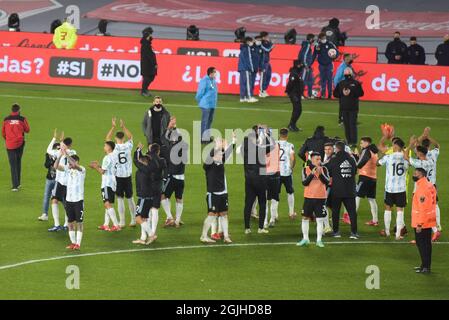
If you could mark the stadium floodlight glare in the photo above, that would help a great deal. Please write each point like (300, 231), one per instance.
(290, 36)
(240, 34)
(14, 22)
(102, 28)
(193, 33)
(55, 23)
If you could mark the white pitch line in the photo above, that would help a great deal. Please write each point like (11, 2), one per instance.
(34, 261)
(224, 108)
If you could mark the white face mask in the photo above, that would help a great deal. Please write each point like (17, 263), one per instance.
(258, 43)
(250, 44)
(323, 40)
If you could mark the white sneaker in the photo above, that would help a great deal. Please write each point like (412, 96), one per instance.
(207, 240)
(244, 100)
(262, 94)
(247, 231)
(122, 225)
(252, 100)
(43, 217)
(227, 240)
(263, 231)
(265, 226)
(265, 94)
(139, 241)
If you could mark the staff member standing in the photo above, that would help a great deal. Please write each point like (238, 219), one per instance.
(396, 51)
(442, 52)
(148, 62)
(13, 131)
(206, 96)
(424, 217)
(342, 170)
(349, 91)
(295, 89)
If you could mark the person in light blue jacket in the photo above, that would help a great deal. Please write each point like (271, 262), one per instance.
(206, 96)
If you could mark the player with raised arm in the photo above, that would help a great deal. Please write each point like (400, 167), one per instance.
(123, 150)
(217, 189)
(76, 174)
(395, 187)
(108, 185)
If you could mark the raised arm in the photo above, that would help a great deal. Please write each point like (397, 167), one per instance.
(128, 133)
(111, 131)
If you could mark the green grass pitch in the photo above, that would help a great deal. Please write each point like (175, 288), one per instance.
(177, 266)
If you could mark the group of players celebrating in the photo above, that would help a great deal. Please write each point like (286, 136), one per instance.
(160, 174)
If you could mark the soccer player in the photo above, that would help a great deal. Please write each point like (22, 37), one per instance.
(123, 175)
(178, 157)
(217, 189)
(315, 179)
(108, 185)
(60, 189)
(273, 184)
(287, 164)
(395, 187)
(366, 186)
(76, 174)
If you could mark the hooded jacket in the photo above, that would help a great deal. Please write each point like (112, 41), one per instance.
(147, 126)
(314, 143)
(148, 62)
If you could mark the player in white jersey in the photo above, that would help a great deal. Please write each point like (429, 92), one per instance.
(74, 205)
(123, 150)
(108, 185)
(59, 191)
(395, 187)
(287, 164)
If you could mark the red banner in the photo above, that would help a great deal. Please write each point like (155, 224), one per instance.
(381, 82)
(273, 18)
(166, 46)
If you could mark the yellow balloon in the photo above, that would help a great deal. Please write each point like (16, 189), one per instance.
(65, 36)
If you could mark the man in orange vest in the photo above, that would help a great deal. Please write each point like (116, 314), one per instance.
(315, 179)
(424, 217)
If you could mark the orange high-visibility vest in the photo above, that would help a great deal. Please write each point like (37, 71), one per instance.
(273, 165)
(424, 204)
(316, 188)
(370, 168)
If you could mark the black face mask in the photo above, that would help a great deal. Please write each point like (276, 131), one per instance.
(158, 106)
(415, 178)
(348, 76)
(350, 62)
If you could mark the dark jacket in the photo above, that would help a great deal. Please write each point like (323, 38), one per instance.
(333, 33)
(49, 162)
(342, 170)
(254, 156)
(416, 55)
(349, 102)
(315, 143)
(295, 84)
(149, 180)
(322, 53)
(148, 62)
(178, 155)
(147, 126)
(143, 186)
(442, 54)
(396, 47)
(305, 55)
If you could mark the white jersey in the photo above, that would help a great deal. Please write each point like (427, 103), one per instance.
(61, 176)
(75, 184)
(396, 173)
(433, 155)
(109, 167)
(123, 152)
(286, 149)
(427, 165)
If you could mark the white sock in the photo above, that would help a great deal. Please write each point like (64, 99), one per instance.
(224, 224)
(254, 209)
(79, 237)
(106, 218)
(143, 232)
(438, 216)
(154, 220)
(72, 236)
(66, 220)
(305, 229)
(179, 208)
(357, 204)
(166, 205)
(274, 210)
(319, 228)
(291, 203)
(373, 205)
(55, 213)
(113, 216)
(220, 226)
(326, 220)
(121, 210)
(387, 221)
(207, 224)
(399, 222)
(266, 213)
(214, 226)
(132, 210)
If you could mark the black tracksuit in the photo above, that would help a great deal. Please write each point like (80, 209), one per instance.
(416, 55)
(149, 177)
(315, 143)
(254, 159)
(349, 91)
(148, 64)
(442, 54)
(295, 89)
(396, 48)
(342, 169)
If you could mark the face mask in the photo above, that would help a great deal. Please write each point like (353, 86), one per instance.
(250, 44)
(158, 106)
(323, 40)
(258, 43)
(350, 62)
(415, 178)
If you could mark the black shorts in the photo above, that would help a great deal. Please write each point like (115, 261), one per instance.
(173, 185)
(143, 207)
(366, 187)
(273, 187)
(124, 187)
(396, 199)
(217, 203)
(288, 183)
(108, 195)
(59, 192)
(314, 207)
(75, 211)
